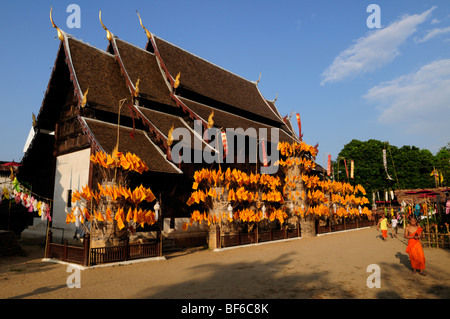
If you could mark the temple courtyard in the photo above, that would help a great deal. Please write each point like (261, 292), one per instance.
(338, 265)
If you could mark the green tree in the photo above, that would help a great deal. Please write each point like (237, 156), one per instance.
(442, 163)
(408, 166)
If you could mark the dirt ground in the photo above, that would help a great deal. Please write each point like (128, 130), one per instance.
(331, 266)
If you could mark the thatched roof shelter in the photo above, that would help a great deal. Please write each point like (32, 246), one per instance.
(419, 196)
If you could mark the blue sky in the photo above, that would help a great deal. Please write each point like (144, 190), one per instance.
(347, 81)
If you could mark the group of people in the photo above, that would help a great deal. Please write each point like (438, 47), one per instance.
(413, 232)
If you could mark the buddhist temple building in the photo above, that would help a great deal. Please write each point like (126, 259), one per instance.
(136, 96)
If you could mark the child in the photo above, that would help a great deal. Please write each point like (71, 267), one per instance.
(383, 224)
(394, 223)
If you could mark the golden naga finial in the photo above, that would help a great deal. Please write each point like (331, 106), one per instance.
(60, 33)
(149, 35)
(84, 100)
(170, 137)
(211, 120)
(136, 90)
(177, 80)
(276, 98)
(108, 34)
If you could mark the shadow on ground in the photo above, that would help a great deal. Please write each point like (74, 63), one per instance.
(257, 280)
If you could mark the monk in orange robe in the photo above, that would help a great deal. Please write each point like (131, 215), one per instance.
(413, 233)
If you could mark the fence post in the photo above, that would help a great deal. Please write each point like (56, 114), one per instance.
(127, 248)
(65, 250)
(86, 247)
(48, 244)
(160, 243)
(256, 234)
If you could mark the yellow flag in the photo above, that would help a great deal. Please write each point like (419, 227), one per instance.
(177, 80)
(442, 178)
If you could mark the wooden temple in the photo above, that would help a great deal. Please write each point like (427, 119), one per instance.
(136, 95)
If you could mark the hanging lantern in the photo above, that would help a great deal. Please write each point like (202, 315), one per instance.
(157, 207)
(230, 211)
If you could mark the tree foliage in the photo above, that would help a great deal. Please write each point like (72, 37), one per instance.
(408, 166)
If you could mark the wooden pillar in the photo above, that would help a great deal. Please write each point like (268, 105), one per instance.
(86, 249)
(214, 241)
(126, 248)
(218, 241)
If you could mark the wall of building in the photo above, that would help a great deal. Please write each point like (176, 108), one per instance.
(72, 172)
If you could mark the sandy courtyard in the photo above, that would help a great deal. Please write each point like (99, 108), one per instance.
(332, 266)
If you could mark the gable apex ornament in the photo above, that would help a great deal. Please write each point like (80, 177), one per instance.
(108, 34)
(149, 35)
(60, 33)
(259, 78)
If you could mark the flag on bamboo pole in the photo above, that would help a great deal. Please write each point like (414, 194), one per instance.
(385, 164)
(346, 169)
(264, 153)
(132, 117)
(352, 169)
(329, 165)
(224, 142)
(299, 126)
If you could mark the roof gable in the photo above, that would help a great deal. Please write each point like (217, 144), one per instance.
(99, 72)
(213, 82)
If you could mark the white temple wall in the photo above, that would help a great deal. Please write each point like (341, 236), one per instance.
(72, 172)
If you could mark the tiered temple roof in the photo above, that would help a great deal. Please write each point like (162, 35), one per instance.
(89, 87)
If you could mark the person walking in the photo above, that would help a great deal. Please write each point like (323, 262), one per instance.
(394, 223)
(413, 233)
(383, 225)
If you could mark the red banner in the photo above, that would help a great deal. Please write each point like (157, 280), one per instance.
(264, 153)
(299, 126)
(224, 142)
(346, 169)
(329, 165)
